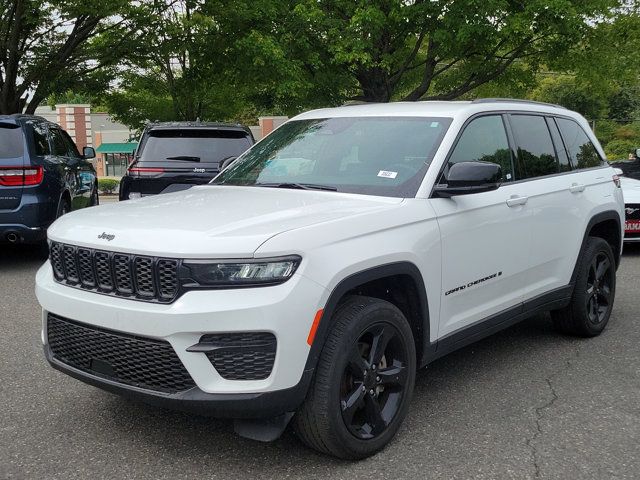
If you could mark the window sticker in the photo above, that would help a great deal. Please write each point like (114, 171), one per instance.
(387, 174)
(435, 124)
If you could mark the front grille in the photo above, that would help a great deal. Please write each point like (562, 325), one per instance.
(120, 274)
(141, 362)
(242, 355)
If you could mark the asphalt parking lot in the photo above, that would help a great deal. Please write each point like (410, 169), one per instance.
(525, 403)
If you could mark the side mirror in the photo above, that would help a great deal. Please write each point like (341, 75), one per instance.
(465, 178)
(88, 152)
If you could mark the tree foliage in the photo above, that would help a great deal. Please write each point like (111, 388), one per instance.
(52, 46)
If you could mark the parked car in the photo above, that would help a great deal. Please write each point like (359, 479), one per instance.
(630, 168)
(42, 177)
(631, 192)
(175, 156)
(333, 259)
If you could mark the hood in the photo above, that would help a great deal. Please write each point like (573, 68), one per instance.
(630, 190)
(206, 221)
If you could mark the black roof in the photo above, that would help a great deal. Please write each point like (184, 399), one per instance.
(515, 100)
(205, 125)
(23, 117)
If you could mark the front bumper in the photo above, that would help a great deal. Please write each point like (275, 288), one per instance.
(285, 310)
(223, 405)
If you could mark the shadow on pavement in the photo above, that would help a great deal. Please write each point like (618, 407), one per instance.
(17, 257)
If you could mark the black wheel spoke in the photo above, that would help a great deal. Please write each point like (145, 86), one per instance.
(394, 376)
(605, 293)
(374, 415)
(352, 403)
(602, 269)
(379, 345)
(357, 364)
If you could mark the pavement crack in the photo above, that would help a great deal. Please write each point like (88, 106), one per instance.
(539, 413)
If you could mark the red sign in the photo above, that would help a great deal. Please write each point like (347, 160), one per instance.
(632, 226)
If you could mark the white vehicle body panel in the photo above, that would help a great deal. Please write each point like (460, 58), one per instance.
(531, 248)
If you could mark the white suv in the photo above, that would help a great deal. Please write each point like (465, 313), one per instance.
(344, 251)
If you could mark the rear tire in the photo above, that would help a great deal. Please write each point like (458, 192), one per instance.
(363, 383)
(64, 207)
(95, 199)
(591, 304)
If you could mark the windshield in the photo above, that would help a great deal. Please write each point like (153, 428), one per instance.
(11, 141)
(385, 156)
(200, 145)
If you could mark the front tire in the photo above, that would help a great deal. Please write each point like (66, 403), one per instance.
(592, 302)
(363, 383)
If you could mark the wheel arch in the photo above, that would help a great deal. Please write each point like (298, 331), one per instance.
(399, 283)
(608, 226)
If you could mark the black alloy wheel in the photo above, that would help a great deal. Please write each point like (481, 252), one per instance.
(374, 381)
(591, 304)
(363, 382)
(599, 294)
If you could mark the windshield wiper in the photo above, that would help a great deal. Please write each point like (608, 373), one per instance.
(186, 158)
(300, 186)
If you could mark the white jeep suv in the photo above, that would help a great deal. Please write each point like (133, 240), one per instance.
(352, 246)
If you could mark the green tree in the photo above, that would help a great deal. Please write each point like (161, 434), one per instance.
(183, 72)
(48, 47)
(568, 91)
(441, 49)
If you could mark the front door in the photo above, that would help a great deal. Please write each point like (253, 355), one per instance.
(486, 237)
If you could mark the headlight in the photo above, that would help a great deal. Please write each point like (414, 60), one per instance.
(238, 273)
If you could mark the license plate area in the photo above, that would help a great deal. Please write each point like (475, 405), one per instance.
(632, 226)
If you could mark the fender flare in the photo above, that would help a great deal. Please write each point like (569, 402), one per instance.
(360, 278)
(598, 218)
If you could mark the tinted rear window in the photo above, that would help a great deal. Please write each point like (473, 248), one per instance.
(583, 153)
(211, 146)
(11, 141)
(536, 155)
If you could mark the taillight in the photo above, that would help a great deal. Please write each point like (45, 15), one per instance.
(21, 176)
(145, 171)
(616, 180)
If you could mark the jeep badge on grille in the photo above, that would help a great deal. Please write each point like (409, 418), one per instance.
(106, 236)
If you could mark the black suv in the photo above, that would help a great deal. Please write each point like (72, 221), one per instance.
(175, 156)
(42, 176)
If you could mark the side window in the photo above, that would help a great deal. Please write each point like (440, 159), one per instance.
(536, 155)
(582, 152)
(40, 141)
(60, 147)
(71, 146)
(483, 140)
(563, 160)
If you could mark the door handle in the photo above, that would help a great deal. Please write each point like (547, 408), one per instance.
(514, 201)
(577, 188)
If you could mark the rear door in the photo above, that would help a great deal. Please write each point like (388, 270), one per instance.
(556, 197)
(12, 163)
(185, 156)
(66, 166)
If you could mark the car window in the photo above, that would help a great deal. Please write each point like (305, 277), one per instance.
(59, 145)
(11, 140)
(582, 152)
(197, 145)
(385, 156)
(536, 155)
(563, 159)
(71, 146)
(483, 140)
(40, 141)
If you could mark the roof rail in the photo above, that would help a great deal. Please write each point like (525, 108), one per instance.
(515, 100)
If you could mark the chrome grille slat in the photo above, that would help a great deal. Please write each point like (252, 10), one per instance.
(117, 274)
